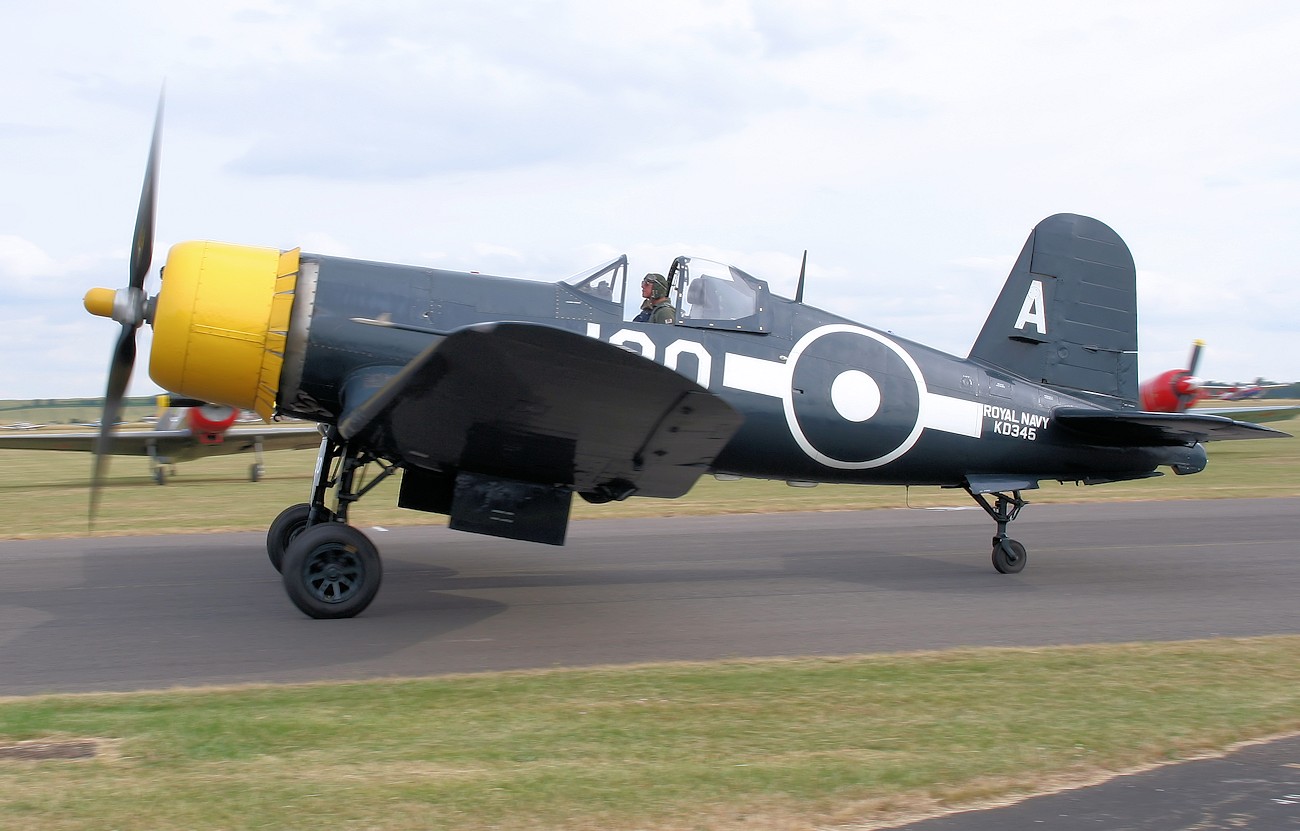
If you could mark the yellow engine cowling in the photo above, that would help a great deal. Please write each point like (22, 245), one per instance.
(221, 323)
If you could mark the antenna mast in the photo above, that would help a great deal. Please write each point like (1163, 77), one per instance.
(803, 270)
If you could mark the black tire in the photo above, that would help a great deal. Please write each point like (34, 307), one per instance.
(291, 522)
(331, 571)
(1009, 557)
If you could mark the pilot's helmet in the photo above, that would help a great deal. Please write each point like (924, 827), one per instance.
(659, 285)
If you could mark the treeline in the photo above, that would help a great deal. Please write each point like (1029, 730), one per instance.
(84, 411)
(1289, 391)
(62, 403)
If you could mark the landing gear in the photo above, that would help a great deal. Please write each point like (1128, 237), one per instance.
(615, 490)
(1009, 556)
(291, 522)
(332, 571)
(258, 468)
(157, 471)
(329, 568)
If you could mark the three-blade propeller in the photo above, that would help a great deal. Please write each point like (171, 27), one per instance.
(129, 309)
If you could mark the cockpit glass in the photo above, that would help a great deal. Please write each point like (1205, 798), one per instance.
(717, 292)
(604, 282)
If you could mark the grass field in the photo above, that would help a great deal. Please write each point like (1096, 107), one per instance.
(760, 745)
(45, 494)
(737, 745)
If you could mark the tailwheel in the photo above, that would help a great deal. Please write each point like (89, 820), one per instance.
(331, 570)
(1009, 556)
(286, 527)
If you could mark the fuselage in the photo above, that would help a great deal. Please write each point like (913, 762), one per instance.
(824, 399)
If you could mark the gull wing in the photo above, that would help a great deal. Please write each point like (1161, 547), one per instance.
(545, 405)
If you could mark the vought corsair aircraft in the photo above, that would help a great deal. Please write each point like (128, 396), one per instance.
(497, 399)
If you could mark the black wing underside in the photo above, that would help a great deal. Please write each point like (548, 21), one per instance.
(545, 405)
(1141, 429)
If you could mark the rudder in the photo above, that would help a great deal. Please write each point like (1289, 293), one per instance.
(1067, 314)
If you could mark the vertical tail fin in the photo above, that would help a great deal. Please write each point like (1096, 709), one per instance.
(1067, 315)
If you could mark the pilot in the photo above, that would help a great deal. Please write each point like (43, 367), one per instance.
(655, 307)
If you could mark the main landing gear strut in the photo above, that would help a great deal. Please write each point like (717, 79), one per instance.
(1009, 556)
(329, 568)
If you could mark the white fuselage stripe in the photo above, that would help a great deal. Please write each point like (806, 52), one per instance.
(952, 415)
(741, 372)
(771, 378)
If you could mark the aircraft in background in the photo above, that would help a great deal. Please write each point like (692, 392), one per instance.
(497, 399)
(1178, 390)
(1242, 392)
(193, 430)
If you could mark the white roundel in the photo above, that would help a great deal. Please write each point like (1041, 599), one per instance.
(855, 395)
(876, 416)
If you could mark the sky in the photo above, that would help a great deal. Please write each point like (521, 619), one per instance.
(909, 146)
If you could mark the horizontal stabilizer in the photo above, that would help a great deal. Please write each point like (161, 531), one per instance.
(1139, 429)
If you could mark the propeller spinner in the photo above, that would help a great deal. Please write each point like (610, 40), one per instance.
(130, 307)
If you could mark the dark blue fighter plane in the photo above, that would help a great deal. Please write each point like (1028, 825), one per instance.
(497, 399)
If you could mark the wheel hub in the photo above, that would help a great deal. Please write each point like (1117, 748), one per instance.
(333, 574)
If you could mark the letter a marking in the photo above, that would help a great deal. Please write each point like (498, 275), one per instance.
(1033, 310)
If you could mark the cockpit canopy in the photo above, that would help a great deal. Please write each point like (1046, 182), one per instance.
(604, 282)
(707, 294)
(719, 296)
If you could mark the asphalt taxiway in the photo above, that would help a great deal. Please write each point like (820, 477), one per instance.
(128, 613)
(1256, 787)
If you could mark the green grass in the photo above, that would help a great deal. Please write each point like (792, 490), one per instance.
(754, 745)
(758, 744)
(45, 494)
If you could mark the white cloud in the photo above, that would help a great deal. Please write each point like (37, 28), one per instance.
(22, 262)
(910, 147)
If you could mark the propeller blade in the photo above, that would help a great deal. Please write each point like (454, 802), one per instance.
(1186, 400)
(123, 361)
(142, 243)
(119, 376)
